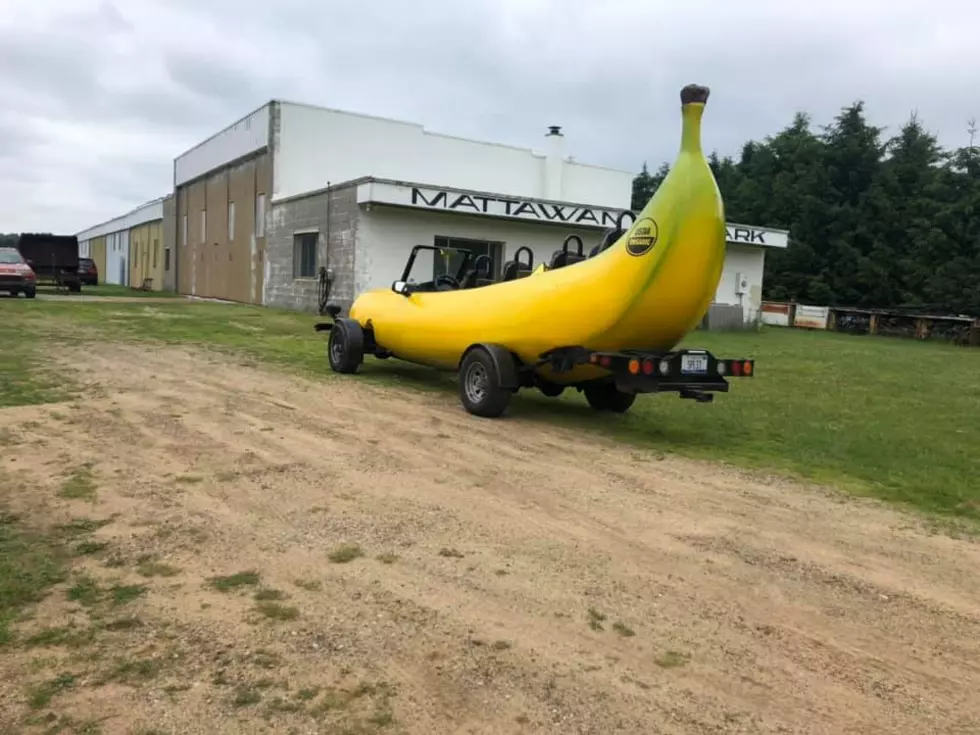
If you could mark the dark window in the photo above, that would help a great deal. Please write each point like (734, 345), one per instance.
(450, 262)
(304, 255)
(166, 259)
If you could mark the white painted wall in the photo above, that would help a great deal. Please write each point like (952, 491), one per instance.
(748, 262)
(318, 146)
(386, 236)
(248, 135)
(83, 249)
(117, 258)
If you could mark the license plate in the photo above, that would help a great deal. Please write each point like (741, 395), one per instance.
(694, 363)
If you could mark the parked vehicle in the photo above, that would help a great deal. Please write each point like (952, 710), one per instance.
(54, 258)
(606, 323)
(16, 276)
(88, 272)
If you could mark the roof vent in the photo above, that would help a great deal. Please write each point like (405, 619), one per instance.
(554, 130)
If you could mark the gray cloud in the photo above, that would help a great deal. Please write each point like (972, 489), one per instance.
(99, 97)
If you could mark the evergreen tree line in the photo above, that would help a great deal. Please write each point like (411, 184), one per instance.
(874, 221)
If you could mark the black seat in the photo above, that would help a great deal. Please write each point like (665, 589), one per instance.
(611, 236)
(480, 274)
(563, 257)
(514, 269)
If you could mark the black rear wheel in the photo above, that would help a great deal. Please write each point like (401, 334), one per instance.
(345, 348)
(606, 397)
(479, 385)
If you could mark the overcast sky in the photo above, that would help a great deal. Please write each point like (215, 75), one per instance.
(99, 97)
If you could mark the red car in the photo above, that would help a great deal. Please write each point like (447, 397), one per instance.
(88, 272)
(16, 276)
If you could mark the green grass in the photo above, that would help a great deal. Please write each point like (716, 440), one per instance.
(108, 289)
(30, 564)
(345, 553)
(79, 485)
(234, 581)
(883, 417)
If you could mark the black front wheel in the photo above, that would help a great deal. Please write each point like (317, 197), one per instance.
(479, 385)
(345, 348)
(606, 397)
(30, 293)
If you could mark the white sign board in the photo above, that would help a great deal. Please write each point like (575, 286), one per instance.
(533, 210)
(811, 317)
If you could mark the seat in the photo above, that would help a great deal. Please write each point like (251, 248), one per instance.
(514, 269)
(611, 236)
(608, 240)
(563, 257)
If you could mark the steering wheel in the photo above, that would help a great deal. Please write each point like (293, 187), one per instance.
(446, 282)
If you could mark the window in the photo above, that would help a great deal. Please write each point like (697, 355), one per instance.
(304, 254)
(260, 215)
(450, 264)
(204, 225)
(231, 221)
(183, 234)
(166, 259)
(136, 252)
(156, 252)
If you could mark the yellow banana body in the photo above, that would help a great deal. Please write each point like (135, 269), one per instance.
(646, 291)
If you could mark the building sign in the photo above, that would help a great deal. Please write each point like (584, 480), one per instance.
(744, 235)
(532, 210)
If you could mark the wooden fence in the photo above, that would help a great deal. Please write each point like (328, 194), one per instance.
(963, 330)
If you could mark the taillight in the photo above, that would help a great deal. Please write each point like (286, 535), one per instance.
(605, 361)
(747, 368)
(648, 366)
(736, 367)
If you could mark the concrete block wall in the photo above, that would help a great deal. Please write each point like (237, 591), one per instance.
(333, 214)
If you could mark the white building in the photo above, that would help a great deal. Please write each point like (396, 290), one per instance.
(263, 205)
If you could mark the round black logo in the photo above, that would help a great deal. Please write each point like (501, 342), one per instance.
(644, 237)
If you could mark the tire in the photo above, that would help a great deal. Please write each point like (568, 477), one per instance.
(345, 348)
(479, 386)
(606, 397)
(30, 293)
(75, 287)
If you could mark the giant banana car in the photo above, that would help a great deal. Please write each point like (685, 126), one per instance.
(605, 323)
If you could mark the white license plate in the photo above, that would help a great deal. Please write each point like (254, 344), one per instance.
(694, 363)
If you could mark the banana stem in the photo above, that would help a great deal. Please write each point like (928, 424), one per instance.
(691, 127)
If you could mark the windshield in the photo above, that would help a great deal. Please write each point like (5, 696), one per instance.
(10, 256)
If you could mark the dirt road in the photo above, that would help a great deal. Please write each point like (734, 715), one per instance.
(498, 576)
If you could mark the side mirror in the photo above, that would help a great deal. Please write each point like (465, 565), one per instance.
(400, 287)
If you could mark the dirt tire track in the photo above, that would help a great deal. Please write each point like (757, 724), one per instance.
(756, 605)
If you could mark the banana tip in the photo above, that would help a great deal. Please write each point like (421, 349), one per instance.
(694, 93)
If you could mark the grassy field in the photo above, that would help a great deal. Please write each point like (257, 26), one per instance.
(893, 419)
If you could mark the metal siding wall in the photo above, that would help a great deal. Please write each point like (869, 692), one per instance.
(196, 201)
(218, 268)
(168, 239)
(97, 250)
(136, 238)
(263, 185)
(241, 190)
(154, 251)
(216, 253)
